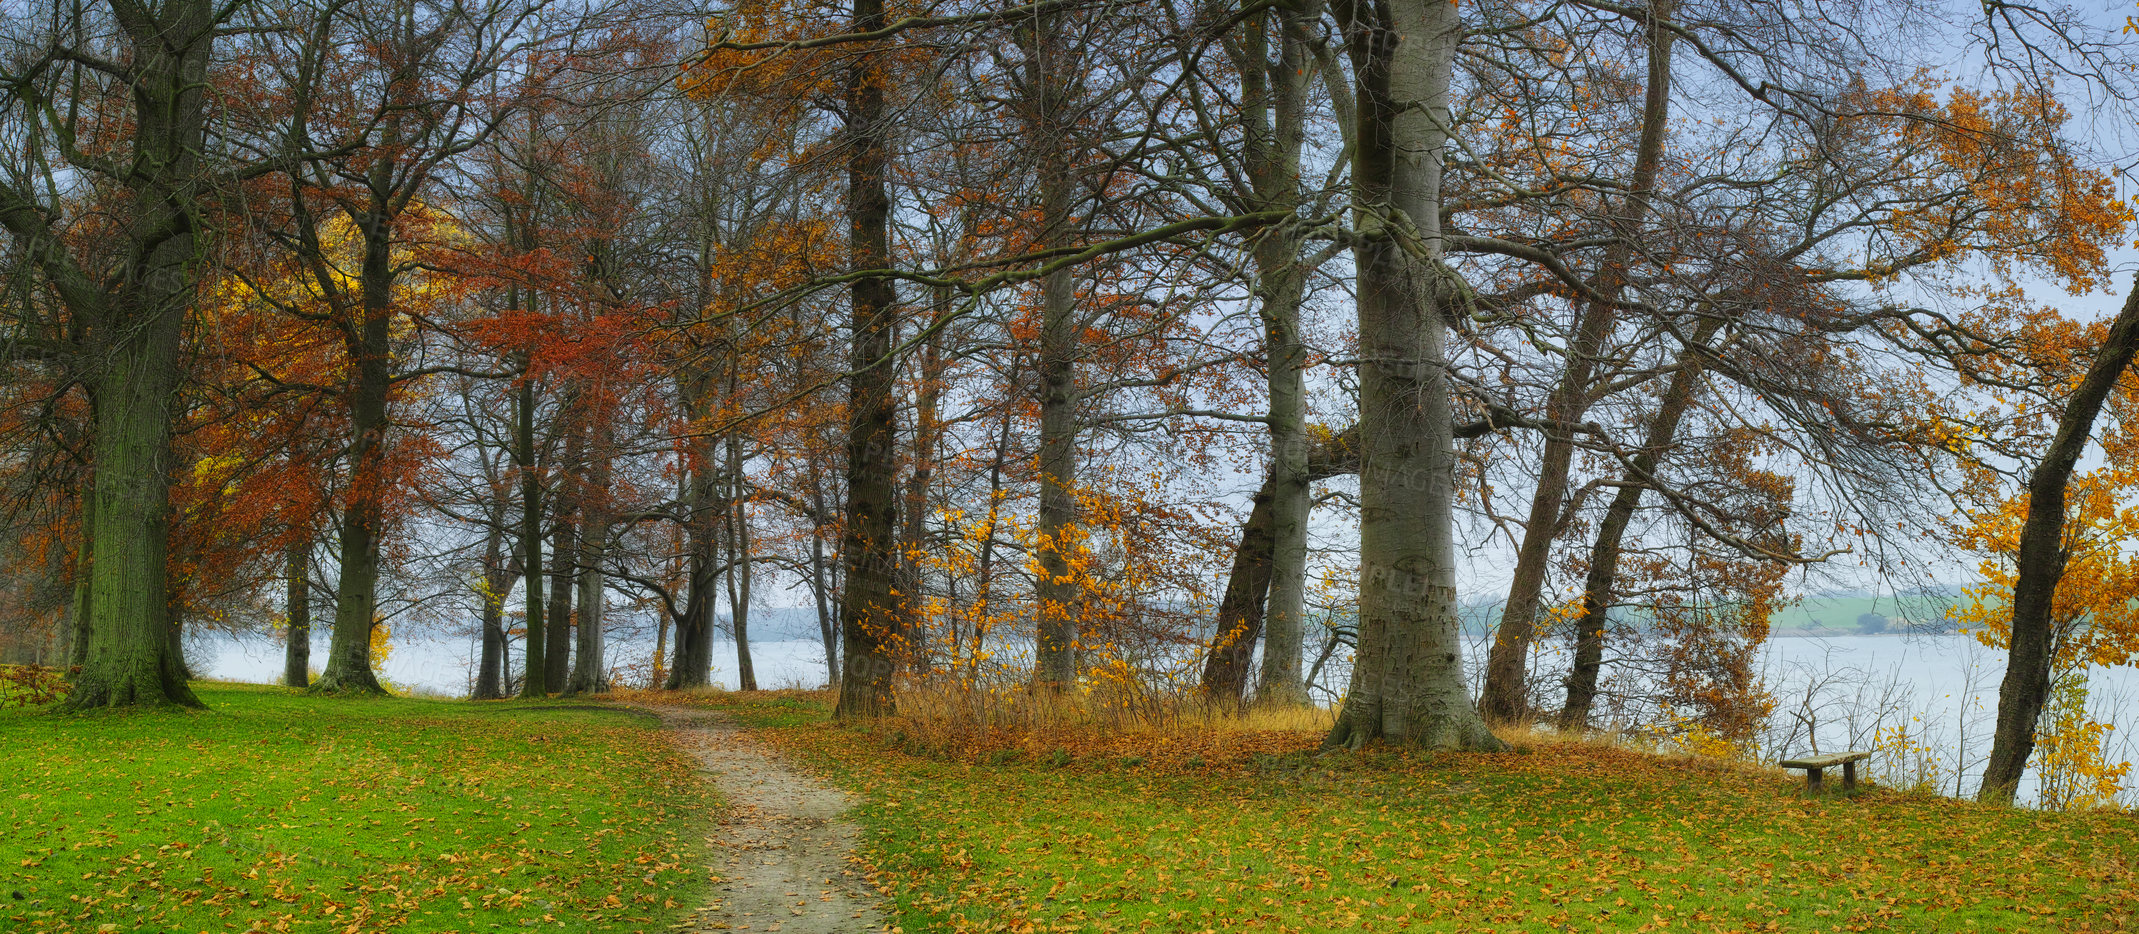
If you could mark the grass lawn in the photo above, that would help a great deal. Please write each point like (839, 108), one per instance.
(1561, 838)
(275, 811)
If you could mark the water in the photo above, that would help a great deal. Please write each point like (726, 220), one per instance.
(446, 666)
(1849, 692)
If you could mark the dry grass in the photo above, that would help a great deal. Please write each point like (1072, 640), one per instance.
(998, 725)
(1004, 724)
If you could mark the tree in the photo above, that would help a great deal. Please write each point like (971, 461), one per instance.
(1505, 696)
(1407, 676)
(870, 611)
(131, 302)
(2041, 556)
(359, 167)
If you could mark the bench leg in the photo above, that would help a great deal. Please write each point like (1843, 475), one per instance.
(1849, 776)
(1812, 780)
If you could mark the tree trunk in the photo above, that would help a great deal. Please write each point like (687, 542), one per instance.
(869, 612)
(136, 331)
(1240, 611)
(1274, 105)
(590, 671)
(746, 676)
(984, 596)
(693, 661)
(557, 647)
(177, 632)
(2041, 561)
(1407, 676)
(1058, 592)
(821, 588)
(1506, 696)
(534, 679)
(1603, 577)
(590, 668)
(297, 606)
(369, 348)
(927, 435)
(497, 581)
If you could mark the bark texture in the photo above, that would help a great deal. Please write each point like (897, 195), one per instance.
(1044, 92)
(534, 681)
(1274, 96)
(136, 322)
(869, 611)
(1407, 676)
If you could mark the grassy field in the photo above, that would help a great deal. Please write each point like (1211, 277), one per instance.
(1558, 838)
(279, 812)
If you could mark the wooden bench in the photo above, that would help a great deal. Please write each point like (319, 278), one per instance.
(1815, 765)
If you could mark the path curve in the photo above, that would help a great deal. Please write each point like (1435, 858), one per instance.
(787, 868)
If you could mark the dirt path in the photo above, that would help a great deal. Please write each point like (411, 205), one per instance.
(787, 846)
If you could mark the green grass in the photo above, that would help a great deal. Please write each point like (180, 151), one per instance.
(1561, 838)
(275, 811)
(1837, 616)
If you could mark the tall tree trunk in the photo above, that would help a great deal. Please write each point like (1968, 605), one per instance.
(590, 668)
(927, 435)
(870, 618)
(557, 647)
(1506, 696)
(137, 327)
(820, 587)
(1603, 577)
(739, 566)
(1274, 106)
(1060, 595)
(534, 680)
(1407, 676)
(1058, 592)
(984, 596)
(297, 607)
(2042, 557)
(564, 551)
(693, 659)
(370, 350)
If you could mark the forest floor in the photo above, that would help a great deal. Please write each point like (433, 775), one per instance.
(1254, 832)
(786, 841)
(274, 811)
